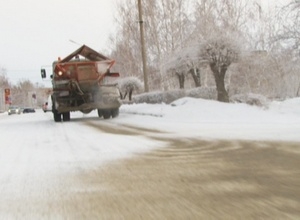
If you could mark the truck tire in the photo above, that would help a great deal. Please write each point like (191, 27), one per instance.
(66, 116)
(106, 113)
(114, 112)
(100, 114)
(56, 116)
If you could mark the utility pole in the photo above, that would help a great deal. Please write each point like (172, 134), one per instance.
(144, 58)
(261, 37)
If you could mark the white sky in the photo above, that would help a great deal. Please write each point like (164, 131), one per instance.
(35, 32)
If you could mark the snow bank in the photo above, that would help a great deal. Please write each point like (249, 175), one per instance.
(212, 119)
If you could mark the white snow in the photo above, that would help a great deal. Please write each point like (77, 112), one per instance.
(184, 118)
(38, 157)
(215, 120)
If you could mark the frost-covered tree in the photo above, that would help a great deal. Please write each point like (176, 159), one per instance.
(289, 21)
(128, 85)
(171, 26)
(288, 47)
(220, 52)
(166, 24)
(22, 93)
(183, 63)
(4, 81)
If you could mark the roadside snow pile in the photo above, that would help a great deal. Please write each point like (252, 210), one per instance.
(289, 106)
(251, 99)
(172, 95)
(191, 117)
(202, 110)
(156, 110)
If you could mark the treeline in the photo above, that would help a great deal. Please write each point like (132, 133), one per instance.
(237, 46)
(267, 39)
(24, 93)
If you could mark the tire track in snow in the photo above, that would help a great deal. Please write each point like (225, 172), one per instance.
(121, 129)
(206, 179)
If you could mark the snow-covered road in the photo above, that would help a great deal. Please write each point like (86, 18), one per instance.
(43, 164)
(36, 154)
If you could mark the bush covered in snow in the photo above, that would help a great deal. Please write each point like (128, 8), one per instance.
(129, 85)
(151, 97)
(201, 92)
(251, 99)
(172, 95)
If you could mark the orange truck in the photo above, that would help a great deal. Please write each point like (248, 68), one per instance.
(79, 83)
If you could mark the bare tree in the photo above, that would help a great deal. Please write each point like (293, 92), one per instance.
(126, 47)
(220, 52)
(226, 17)
(195, 72)
(172, 26)
(166, 25)
(289, 20)
(223, 16)
(289, 38)
(4, 81)
(183, 63)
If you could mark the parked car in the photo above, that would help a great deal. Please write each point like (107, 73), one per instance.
(28, 110)
(14, 110)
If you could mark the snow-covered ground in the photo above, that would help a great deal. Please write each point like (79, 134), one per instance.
(39, 157)
(187, 117)
(199, 118)
(184, 118)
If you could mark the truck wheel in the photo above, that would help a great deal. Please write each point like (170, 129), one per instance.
(106, 113)
(114, 112)
(66, 116)
(100, 114)
(56, 116)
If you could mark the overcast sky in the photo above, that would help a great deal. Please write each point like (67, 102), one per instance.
(35, 32)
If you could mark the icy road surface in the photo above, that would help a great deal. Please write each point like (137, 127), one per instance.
(147, 165)
(37, 157)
